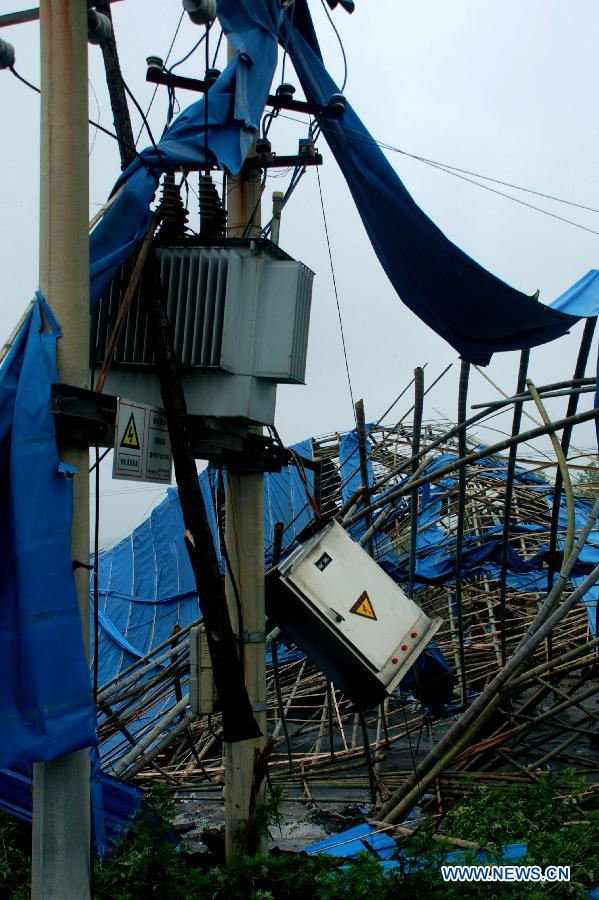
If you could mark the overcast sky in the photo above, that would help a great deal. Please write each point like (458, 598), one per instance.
(499, 87)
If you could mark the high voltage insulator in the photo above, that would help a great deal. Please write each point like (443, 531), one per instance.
(7, 55)
(201, 12)
(213, 218)
(172, 210)
(99, 27)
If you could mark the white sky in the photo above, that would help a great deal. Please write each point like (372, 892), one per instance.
(499, 87)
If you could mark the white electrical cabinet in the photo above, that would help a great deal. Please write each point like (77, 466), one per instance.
(343, 610)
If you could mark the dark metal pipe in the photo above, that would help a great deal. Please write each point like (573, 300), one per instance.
(361, 435)
(416, 432)
(483, 453)
(507, 505)
(459, 544)
(274, 650)
(581, 362)
(545, 395)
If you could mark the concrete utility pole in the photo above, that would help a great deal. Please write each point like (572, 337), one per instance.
(244, 538)
(61, 794)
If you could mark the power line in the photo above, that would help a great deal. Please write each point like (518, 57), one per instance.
(334, 27)
(155, 91)
(487, 187)
(97, 125)
(326, 231)
(460, 172)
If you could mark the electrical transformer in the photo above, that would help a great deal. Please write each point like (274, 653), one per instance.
(239, 311)
(349, 617)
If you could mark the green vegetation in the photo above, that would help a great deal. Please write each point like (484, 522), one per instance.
(586, 484)
(148, 863)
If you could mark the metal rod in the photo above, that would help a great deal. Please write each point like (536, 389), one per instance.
(474, 456)
(507, 504)
(416, 433)
(579, 370)
(461, 521)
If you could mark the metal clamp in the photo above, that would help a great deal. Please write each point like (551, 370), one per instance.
(259, 707)
(253, 637)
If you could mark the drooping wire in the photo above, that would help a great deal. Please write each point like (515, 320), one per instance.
(138, 107)
(486, 187)
(248, 228)
(172, 98)
(155, 91)
(207, 64)
(188, 54)
(218, 43)
(298, 173)
(93, 90)
(326, 231)
(451, 169)
(334, 27)
(97, 125)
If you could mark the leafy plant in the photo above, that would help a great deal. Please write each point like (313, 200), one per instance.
(586, 483)
(14, 860)
(149, 862)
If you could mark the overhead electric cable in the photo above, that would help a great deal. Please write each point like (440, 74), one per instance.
(218, 43)
(188, 54)
(334, 27)
(152, 98)
(131, 96)
(326, 231)
(451, 169)
(487, 187)
(97, 125)
(93, 90)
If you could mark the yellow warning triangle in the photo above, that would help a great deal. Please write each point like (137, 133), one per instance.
(363, 607)
(130, 438)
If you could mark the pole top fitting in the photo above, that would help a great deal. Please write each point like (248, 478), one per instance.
(7, 55)
(99, 27)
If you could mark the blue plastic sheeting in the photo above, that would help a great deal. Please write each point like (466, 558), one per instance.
(582, 298)
(435, 548)
(120, 800)
(349, 464)
(46, 707)
(350, 843)
(145, 583)
(476, 312)
(235, 105)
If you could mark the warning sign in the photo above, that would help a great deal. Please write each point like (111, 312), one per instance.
(142, 449)
(158, 451)
(130, 438)
(129, 434)
(363, 607)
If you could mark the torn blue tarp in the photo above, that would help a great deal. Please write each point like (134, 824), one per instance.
(235, 105)
(145, 582)
(581, 298)
(353, 841)
(474, 310)
(120, 802)
(46, 707)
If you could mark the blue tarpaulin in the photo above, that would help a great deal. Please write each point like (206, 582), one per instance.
(46, 707)
(235, 105)
(120, 802)
(475, 311)
(146, 584)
